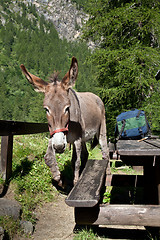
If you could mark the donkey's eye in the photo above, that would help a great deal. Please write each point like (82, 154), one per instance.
(47, 110)
(66, 110)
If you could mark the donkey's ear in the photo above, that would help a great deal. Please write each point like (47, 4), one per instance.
(37, 82)
(71, 76)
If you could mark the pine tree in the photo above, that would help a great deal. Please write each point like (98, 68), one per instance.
(127, 35)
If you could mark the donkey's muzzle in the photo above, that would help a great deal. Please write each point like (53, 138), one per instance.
(59, 148)
(59, 142)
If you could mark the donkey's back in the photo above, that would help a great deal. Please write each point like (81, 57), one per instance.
(93, 114)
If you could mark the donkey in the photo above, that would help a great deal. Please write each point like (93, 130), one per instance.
(73, 117)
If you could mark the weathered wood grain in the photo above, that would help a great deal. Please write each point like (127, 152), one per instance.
(6, 161)
(6, 156)
(139, 215)
(19, 128)
(135, 148)
(86, 193)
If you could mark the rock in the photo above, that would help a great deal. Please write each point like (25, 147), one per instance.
(1, 233)
(27, 227)
(10, 208)
(67, 19)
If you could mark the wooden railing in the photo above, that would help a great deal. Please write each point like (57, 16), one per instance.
(7, 130)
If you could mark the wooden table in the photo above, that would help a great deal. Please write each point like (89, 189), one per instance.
(132, 152)
(147, 154)
(138, 148)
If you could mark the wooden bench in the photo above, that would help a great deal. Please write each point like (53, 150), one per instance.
(86, 192)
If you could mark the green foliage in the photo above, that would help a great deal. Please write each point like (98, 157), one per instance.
(86, 235)
(1, 180)
(127, 57)
(26, 37)
(10, 225)
(64, 164)
(107, 195)
(31, 176)
(80, 3)
(151, 106)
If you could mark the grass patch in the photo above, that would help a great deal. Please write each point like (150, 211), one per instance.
(1, 180)
(107, 195)
(94, 153)
(31, 177)
(11, 227)
(86, 235)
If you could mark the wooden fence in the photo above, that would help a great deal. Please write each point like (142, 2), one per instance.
(7, 130)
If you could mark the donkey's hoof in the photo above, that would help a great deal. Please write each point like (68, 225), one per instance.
(75, 181)
(60, 183)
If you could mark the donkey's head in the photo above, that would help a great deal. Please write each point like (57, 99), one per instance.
(56, 103)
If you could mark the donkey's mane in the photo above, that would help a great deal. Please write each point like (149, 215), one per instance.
(54, 78)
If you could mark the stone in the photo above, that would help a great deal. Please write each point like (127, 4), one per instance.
(64, 14)
(1, 233)
(10, 208)
(67, 19)
(27, 227)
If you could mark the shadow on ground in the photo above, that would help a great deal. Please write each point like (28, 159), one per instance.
(118, 232)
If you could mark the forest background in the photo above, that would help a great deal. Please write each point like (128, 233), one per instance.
(121, 69)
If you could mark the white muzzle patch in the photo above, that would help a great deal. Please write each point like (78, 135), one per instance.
(59, 142)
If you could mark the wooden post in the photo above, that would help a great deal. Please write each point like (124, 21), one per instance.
(6, 161)
(6, 156)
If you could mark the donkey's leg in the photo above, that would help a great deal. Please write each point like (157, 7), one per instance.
(76, 159)
(105, 149)
(103, 141)
(50, 160)
(84, 156)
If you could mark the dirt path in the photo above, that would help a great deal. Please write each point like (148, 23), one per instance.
(55, 221)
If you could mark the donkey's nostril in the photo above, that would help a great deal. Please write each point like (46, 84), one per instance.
(59, 148)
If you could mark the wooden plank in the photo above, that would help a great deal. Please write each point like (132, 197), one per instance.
(153, 142)
(21, 128)
(136, 215)
(86, 193)
(135, 148)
